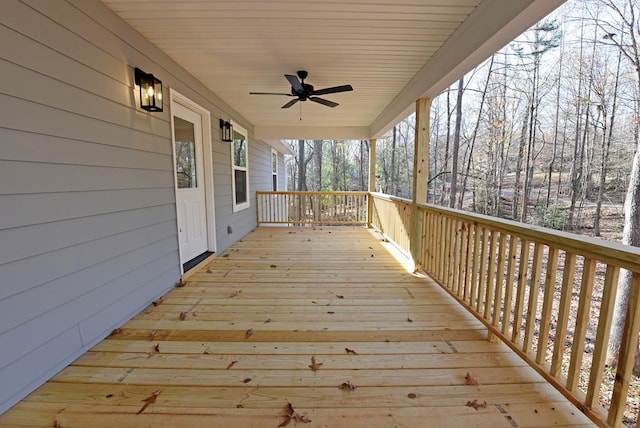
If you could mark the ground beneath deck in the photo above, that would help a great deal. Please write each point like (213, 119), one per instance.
(235, 345)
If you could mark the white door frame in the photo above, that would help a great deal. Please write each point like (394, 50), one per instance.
(205, 115)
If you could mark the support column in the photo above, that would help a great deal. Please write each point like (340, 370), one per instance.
(372, 179)
(420, 177)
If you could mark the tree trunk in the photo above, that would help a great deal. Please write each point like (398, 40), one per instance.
(393, 162)
(317, 153)
(302, 167)
(456, 145)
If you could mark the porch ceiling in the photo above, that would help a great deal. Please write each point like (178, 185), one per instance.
(391, 51)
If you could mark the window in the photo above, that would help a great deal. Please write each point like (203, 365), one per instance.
(274, 169)
(240, 170)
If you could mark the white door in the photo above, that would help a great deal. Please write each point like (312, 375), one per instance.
(190, 182)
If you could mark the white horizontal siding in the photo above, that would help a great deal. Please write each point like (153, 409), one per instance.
(87, 201)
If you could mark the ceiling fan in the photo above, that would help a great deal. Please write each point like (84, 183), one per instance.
(304, 91)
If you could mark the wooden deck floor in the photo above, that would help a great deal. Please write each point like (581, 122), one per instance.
(234, 346)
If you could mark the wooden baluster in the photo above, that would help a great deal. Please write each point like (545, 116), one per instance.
(497, 300)
(627, 354)
(582, 321)
(523, 273)
(509, 283)
(469, 262)
(482, 279)
(491, 276)
(447, 251)
(547, 304)
(440, 248)
(534, 289)
(568, 275)
(462, 261)
(602, 335)
(475, 265)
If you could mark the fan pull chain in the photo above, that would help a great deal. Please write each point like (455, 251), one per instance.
(300, 105)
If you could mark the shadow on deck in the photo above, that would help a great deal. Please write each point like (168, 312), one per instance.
(235, 345)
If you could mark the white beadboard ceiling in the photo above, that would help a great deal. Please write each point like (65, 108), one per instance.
(391, 51)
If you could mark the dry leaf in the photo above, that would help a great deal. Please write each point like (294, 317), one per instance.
(116, 331)
(152, 334)
(470, 380)
(247, 380)
(273, 266)
(268, 321)
(56, 424)
(157, 347)
(476, 404)
(183, 316)
(291, 414)
(226, 256)
(235, 293)
(209, 270)
(339, 296)
(181, 283)
(331, 312)
(248, 333)
(409, 319)
(157, 302)
(231, 364)
(150, 400)
(314, 365)
(347, 386)
(350, 351)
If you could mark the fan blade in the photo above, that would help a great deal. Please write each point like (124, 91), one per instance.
(333, 90)
(323, 101)
(295, 83)
(270, 93)
(290, 103)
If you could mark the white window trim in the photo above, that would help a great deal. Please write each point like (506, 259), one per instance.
(274, 173)
(244, 205)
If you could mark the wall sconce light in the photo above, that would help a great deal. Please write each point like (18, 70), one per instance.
(150, 90)
(226, 130)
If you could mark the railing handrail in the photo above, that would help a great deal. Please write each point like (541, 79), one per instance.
(624, 256)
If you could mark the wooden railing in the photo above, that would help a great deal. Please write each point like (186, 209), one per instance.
(392, 216)
(312, 208)
(522, 282)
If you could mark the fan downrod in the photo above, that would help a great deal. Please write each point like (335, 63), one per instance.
(302, 74)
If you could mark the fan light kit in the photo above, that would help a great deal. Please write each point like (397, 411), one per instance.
(303, 91)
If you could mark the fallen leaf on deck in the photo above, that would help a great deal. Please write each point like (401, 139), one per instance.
(273, 266)
(314, 365)
(226, 255)
(268, 321)
(291, 414)
(157, 302)
(235, 293)
(247, 380)
(339, 296)
(331, 312)
(476, 404)
(409, 319)
(157, 347)
(150, 400)
(231, 364)
(470, 380)
(248, 333)
(152, 334)
(56, 424)
(183, 316)
(209, 270)
(350, 351)
(347, 386)
(181, 283)
(116, 331)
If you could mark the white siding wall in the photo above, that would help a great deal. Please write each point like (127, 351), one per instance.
(87, 217)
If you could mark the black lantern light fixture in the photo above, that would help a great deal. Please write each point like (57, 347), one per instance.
(226, 130)
(150, 90)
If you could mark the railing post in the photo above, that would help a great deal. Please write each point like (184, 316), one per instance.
(420, 177)
(372, 180)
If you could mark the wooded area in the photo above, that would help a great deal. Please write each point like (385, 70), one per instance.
(541, 131)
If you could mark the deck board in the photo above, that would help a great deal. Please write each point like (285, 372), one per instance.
(302, 292)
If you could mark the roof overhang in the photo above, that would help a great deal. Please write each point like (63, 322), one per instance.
(392, 52)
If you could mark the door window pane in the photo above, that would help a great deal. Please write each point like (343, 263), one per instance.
(185, 153)
(241, 186)
(239, 150)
